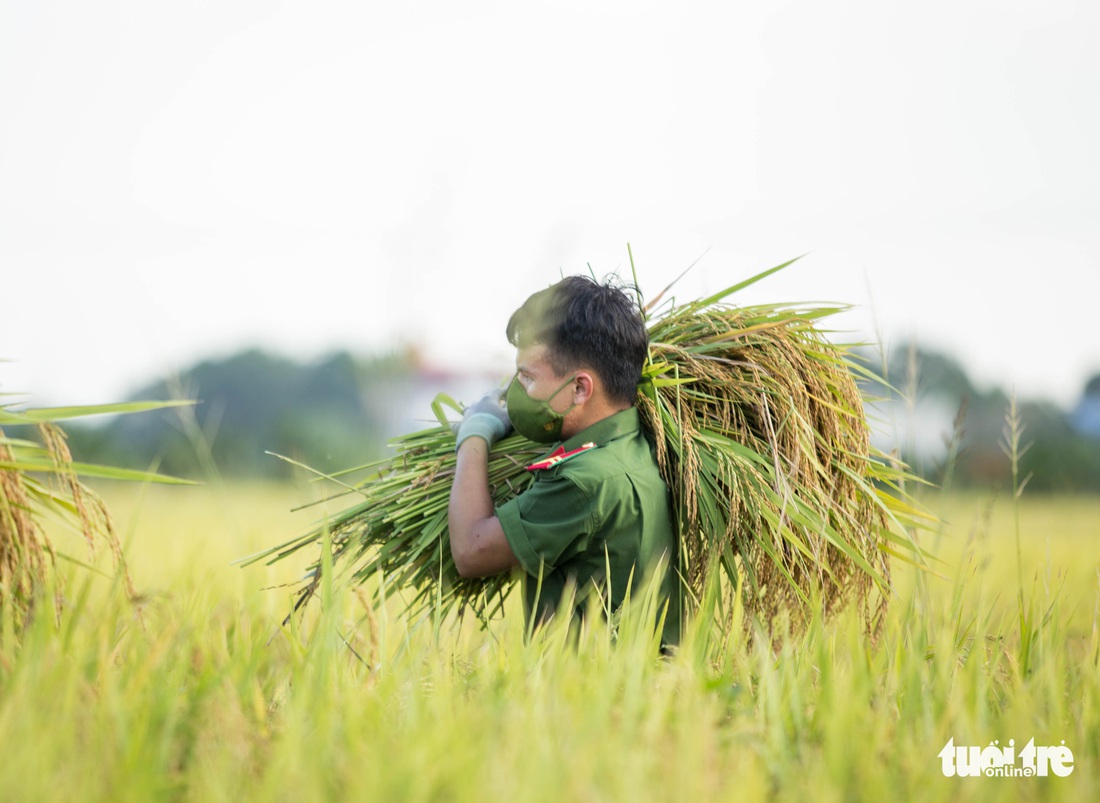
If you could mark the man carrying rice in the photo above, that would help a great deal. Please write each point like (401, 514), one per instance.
(596, 519)
(782, 505)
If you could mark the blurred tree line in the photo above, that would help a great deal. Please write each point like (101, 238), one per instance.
(337, 412)
(331, 414)
(952, 431)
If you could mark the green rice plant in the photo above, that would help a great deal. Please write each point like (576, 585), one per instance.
(203, 705)
(761, 435)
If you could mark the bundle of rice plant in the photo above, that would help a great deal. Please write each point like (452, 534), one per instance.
(761, 436)
(763, 439)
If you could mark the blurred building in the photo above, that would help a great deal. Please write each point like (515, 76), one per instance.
(1085, 417)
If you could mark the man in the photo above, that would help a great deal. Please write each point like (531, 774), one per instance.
(597, 515)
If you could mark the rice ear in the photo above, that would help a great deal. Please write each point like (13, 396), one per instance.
(28, 560)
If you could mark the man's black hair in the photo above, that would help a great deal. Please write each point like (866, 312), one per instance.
(585, 324)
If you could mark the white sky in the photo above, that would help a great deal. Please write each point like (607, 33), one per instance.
(181, 180)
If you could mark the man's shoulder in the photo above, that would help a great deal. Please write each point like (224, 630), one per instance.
(628, 457)
(613, 451)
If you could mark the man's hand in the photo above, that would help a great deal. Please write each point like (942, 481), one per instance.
(487, 418)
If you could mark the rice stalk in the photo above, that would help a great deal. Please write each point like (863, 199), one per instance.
(40, 479)
(28, 560)
(760, 433)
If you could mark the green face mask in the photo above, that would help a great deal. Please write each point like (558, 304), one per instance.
(535, 419)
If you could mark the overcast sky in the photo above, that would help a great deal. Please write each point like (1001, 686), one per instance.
(181, 180)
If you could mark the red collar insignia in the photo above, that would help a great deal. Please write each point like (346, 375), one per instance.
(559, 455)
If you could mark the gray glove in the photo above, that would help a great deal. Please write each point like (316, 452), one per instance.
(487, 418)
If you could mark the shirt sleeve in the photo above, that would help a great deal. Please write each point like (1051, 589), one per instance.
(548, 523)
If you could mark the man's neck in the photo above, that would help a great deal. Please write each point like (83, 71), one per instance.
(589, 414)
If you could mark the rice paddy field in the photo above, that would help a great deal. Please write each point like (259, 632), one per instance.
(201, 694)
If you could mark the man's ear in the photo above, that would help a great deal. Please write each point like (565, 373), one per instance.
(584, 386)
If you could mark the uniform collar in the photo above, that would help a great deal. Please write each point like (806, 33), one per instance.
(624, 422)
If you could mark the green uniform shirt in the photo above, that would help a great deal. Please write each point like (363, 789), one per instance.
(603, 512)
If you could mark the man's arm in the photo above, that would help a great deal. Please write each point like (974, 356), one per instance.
(478, 544)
